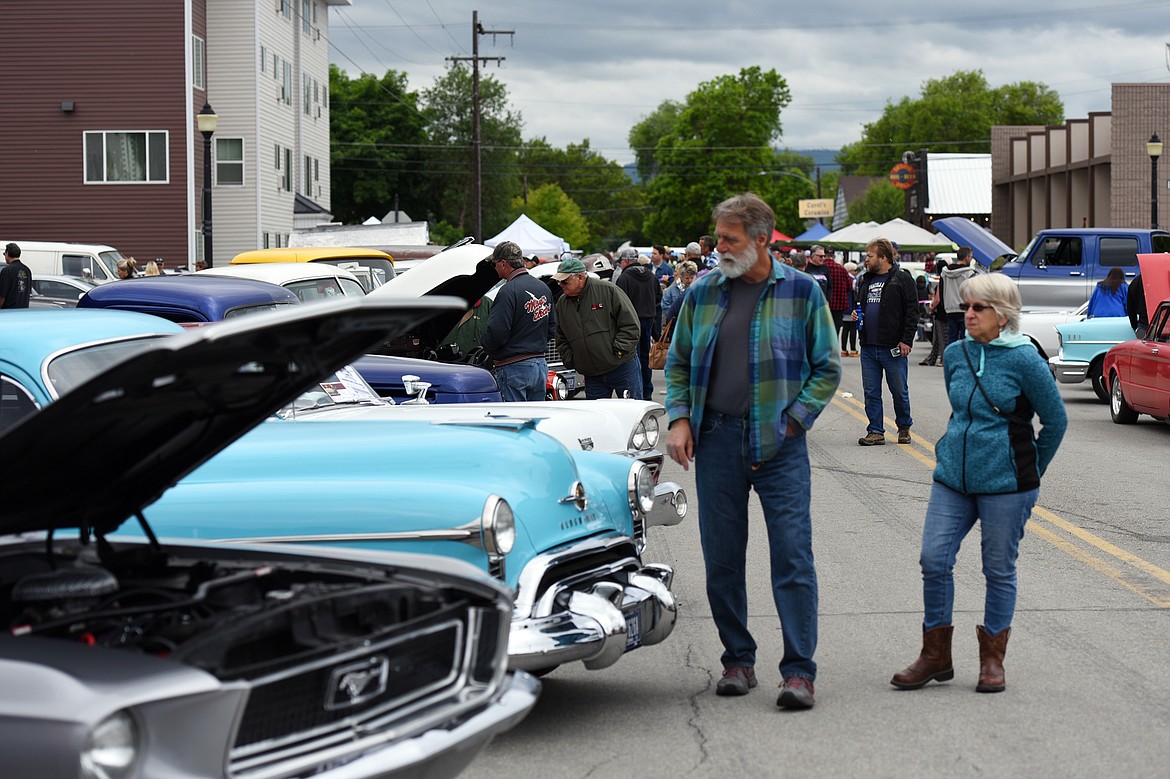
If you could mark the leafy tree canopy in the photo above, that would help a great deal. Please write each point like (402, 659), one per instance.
(376, 132)
(880, 202)
(555, 211)
(719, 144)
(952, 114)
(447, 106)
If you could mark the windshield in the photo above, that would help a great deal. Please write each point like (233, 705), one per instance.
(379, 269)
(346, 387)
(110, 260)
(71, 369)
(258, 308)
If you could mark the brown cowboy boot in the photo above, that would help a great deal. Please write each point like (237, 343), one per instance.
(933, 663)
(991, 652)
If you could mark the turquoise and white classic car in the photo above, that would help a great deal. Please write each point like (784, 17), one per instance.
(1081, 351)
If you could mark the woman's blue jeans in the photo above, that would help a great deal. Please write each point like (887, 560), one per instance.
(724, 475)
(950, 515)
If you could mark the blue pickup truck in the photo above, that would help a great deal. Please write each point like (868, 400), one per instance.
(1059, 266)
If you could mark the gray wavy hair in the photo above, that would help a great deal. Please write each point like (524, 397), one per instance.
(999, 291)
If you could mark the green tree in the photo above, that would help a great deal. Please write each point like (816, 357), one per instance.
(952, 114)
(556, 212)
(611, 203)
(880, 202)
(720, 144)
(375, 134)
(447, 108)
(644, 136)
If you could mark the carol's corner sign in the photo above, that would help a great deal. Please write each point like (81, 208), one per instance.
(816, 209)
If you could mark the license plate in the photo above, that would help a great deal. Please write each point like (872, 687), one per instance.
(633, 630)
(570, 380)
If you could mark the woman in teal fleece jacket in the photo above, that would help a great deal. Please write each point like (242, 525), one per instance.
(990, 462)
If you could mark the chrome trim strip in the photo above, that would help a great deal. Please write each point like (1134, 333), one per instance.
(469, 533)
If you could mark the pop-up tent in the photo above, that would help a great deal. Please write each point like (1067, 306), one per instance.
(814, 233)
(532, 238)
(908, 237)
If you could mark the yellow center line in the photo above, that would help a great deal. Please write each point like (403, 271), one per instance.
(856, 408)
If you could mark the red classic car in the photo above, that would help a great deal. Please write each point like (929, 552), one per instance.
(1137, 372)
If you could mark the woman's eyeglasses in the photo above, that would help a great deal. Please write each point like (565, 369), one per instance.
(979, 308)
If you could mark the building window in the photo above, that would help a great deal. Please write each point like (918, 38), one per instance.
(277, 165)
(306, 92)
(314, 13)
(263, 59)
(275, 66)
(198, 63)
(284, 8)
(286, 85)
(288, 171)
(126, 157)
(306, 17)
(229, 161)
(308, 182)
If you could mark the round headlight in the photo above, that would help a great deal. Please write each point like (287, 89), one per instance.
(641, 488)
(651, 432)
(111, 748)
(499, 527)
(638, 439)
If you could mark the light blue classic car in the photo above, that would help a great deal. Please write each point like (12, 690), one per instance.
(563, 529)
(1081, 352)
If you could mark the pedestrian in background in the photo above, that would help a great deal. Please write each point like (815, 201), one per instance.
(127, 268)
(686, 272)
(152, 269)
(938, 331)
(989, 465)
(752, 363)
(663, 270)
(849, 319)
(642, 288)
(15, 280)
(597, 333)
(950, 279)
(889, 316)
(520, 324)
(841, 302)
(1110, 297)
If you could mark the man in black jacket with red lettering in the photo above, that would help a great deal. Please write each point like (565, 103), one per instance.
(889, 316)
(519, 326)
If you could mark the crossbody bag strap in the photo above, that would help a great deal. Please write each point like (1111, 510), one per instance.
(983, 392)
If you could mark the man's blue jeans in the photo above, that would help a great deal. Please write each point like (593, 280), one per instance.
(876, 360)
(626, 378)
(523, 380)
(956, 329)
(724, 476)
(644, 341)
(950, 515)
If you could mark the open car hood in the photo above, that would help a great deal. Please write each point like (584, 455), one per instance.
(141, 426)
(985, 247)
(461, 271)
(1155, 270)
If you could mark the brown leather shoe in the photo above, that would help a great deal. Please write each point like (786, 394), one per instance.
(872, 439)
(796, 693)
(991, 652)
(737, 680)
(933, 663)
(903, 435)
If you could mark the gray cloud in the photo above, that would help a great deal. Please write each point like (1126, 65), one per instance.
(579, 70)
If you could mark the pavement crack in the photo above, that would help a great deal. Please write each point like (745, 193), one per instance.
(693, 715)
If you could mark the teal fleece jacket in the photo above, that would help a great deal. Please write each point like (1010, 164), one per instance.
(983, 452)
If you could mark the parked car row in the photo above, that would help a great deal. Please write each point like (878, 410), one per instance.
(385, 594)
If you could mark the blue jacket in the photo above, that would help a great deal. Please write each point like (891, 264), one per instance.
(983, 452)
(1106, 303)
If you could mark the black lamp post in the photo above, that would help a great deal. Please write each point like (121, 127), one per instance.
(1154, 148)
(207, 121)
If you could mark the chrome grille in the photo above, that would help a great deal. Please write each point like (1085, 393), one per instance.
(552, 356)
(294, 713)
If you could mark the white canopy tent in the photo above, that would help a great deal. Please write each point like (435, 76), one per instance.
(908, 237)
(531, 237)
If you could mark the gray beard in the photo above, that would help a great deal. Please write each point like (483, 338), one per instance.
(735, 265)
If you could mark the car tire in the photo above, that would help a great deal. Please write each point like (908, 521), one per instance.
(1097, 376)
(1120, 411)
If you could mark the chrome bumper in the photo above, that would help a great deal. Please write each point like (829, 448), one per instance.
(1068, 372)
(587, 616)
(670, 505)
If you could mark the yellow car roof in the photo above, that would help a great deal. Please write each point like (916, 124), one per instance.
(306, 254)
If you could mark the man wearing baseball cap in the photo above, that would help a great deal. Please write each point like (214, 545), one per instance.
(15, 279)
(597, 333)
(519, 327)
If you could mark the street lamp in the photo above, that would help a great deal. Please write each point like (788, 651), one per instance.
(1154, 149)
(207, 121)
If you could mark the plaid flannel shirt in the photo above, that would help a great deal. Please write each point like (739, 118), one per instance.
(795, 366)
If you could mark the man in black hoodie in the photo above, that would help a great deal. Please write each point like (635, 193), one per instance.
(640, 284)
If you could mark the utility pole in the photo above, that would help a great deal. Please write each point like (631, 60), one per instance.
(477, 30)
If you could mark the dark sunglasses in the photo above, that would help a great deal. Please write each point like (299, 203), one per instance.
(979, 307)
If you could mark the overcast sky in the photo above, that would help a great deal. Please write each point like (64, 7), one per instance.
(579, 69)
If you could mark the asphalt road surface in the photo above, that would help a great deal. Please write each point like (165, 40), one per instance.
(1088, 664)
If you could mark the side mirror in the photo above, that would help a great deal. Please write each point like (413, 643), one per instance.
(1141, 332)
